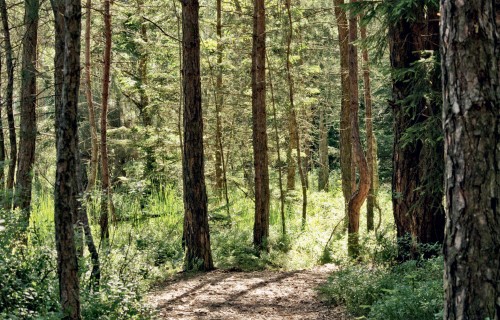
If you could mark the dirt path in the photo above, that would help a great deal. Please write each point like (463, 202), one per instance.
(229, 295)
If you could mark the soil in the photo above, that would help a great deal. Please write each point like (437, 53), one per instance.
(229, 295)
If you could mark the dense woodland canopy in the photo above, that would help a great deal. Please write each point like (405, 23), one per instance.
(140, 139)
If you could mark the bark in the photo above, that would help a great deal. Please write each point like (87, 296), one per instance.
(2, 138)
(106, 188)
(324, 170)
(359, 196)
(9, 99)
(94, 158)
(292, 145)
(197, 235)
(417, 164)
(347, 167)
(262, 194)
(219, 101)
(471, 89)
(66, 188)
(27, 133)
(371, 156)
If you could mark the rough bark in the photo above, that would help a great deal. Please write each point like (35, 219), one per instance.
(9, 100)
(346, 158)
(359, 196)
(371, 156)
(261, 226)
(66, 188)
(417, 164)
(105, 184)
(27, 133)
(197, 235)
(324, 170)
(470, 44)
(94, 158)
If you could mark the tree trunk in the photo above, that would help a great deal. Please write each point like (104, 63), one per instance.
(197, 235)
(219, 101)
(371, 157)
(94, 159)
(471, 91)
(2, 138)
(9, 101)
(106, 188)
(346, 158)
(292, 145)
(261, 226)
(27, 134)
(324, 170)
(66, 185)
(359, 196)
(417, 164)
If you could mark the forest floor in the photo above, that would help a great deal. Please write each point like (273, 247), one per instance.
(234, 295)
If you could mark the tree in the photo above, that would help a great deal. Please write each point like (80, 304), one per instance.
(359, 196)
(66, 185)
(324, 166)
(470, 45)
(2, 137)
(9, 99)
(260, 157)
(28, 132)
(418, 147)
(196, 233)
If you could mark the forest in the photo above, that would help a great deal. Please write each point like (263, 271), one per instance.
(250, 159)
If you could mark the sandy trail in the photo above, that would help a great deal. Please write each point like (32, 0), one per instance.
(230, 295)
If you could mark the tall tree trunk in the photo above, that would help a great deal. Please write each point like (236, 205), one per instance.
(9, 101)
(371, 141)
(471, 89)
(292, 145)
(2, 138)
(197, 235)
(347, 168)
(324, 170)
(27, 134)
(293, 113)
(94, 158)
(261, 226)
(418, 164)
(219, 101)
(66, 185)
(359, 196)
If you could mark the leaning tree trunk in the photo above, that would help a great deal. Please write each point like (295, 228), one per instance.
(261, 226)
(27, 134)
(359, 196)
(347, 167)
(470, 44)
(66, 185)
(106, 188)
(9, 101)
(196, 233)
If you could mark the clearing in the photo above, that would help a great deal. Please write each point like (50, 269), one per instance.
(229, 295)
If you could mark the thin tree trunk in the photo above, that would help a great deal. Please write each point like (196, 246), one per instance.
(2, 138)
(278, 148)
(324, 170)
(371, 142)
(27, 134)
(66, 185)
(219, 101)
(94, 158)
(106, 188)
(292, 145)
(470, 44)
(9, 101)
(261, 226)
(197, 235)
(347, 166)
(359, 196)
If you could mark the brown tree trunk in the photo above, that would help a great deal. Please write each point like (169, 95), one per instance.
(359, 196)
(292, 145)
(324, 170)
(346, 158)
(219, 101)
(66, 185)
(197, 235)
(106, 188)
(2, 138)
(471, 89)
(261, 226)
(94, 158)
(371, 157)
(417, 164)
(9, 101)
(27, 134)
